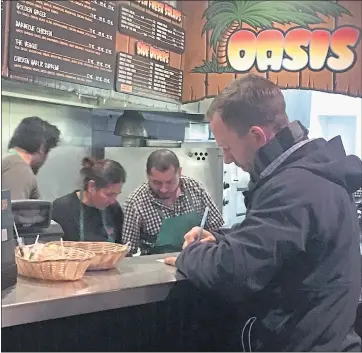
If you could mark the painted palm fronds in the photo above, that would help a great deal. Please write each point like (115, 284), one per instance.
(223, 18)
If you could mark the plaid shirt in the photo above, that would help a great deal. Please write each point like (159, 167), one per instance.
(142, 221)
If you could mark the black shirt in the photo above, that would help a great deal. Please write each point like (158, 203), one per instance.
(66, 212)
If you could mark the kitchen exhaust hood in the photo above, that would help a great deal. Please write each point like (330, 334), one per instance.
(131, 125)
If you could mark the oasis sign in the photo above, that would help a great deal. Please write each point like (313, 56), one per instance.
(295, 50)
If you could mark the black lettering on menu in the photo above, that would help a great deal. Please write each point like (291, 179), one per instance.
(70, 40)
(153, 30)
(140, 75)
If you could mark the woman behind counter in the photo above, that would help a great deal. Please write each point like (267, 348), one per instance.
(93, 213)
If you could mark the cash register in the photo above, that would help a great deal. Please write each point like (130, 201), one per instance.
(33, 218)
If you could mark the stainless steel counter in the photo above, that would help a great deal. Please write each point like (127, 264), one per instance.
(137, 280)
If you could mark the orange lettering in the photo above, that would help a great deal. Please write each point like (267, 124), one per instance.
(142, 49)
(241, 50)
(343, 42)
(293, 51)
(156, 6)
(173, 13)
(318, 49)
(269, 50)
(297, 57)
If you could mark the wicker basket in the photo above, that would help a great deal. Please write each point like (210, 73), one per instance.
(107, 254)
(71, 267)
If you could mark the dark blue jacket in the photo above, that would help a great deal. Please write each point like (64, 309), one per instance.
(295, 259)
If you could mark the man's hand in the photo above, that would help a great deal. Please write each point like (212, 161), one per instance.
(191, 236)
(170, 261)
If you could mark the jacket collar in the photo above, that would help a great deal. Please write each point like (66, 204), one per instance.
(284, 140)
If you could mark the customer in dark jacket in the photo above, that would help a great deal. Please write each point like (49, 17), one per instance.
(295, 258)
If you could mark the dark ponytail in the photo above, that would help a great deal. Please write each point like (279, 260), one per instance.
(103, 172)
(88, 162)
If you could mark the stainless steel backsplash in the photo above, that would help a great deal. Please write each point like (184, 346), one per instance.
(60, 174)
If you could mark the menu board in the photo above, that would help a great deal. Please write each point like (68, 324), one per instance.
(141, 25)
(72, 41)
(143, 76)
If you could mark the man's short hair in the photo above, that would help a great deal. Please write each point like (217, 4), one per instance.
(162, 160)
(32, 133)
(251, 100)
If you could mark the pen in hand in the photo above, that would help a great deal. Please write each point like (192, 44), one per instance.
(203, 221)
(172, 260)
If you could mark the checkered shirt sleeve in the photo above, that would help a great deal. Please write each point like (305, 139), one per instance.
(214, 219)
(142, 221)
(131, 226)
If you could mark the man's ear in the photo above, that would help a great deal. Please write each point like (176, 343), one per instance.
(259, 135)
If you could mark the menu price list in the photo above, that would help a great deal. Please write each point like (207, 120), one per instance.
(141, 76)
(59, 85)
(153, 30)
(70, 40)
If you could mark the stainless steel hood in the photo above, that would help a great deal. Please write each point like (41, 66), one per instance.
(131, 125)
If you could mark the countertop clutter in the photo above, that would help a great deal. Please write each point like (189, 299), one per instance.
(142, 305)
(135, 281)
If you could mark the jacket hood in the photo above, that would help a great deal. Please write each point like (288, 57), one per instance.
(329, 161)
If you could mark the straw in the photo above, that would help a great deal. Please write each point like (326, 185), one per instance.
(19, 240)
(62, 245)
(202, 225)
(34, 247)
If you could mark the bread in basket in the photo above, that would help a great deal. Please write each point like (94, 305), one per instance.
(65, 264)
(106, 254)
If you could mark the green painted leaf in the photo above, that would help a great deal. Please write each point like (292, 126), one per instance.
(264, 14)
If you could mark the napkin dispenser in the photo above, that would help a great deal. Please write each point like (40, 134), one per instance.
(8, 243)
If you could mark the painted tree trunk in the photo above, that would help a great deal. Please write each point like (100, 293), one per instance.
(217, 82)
(222, 46)
(195, 50)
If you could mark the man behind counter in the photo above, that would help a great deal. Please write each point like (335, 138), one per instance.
(161, 211)
(28, 150)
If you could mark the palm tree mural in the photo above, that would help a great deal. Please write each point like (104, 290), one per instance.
(223, 18)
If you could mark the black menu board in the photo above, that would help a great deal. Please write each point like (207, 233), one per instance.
(143, 76)
(153, 30)
(72, 41)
